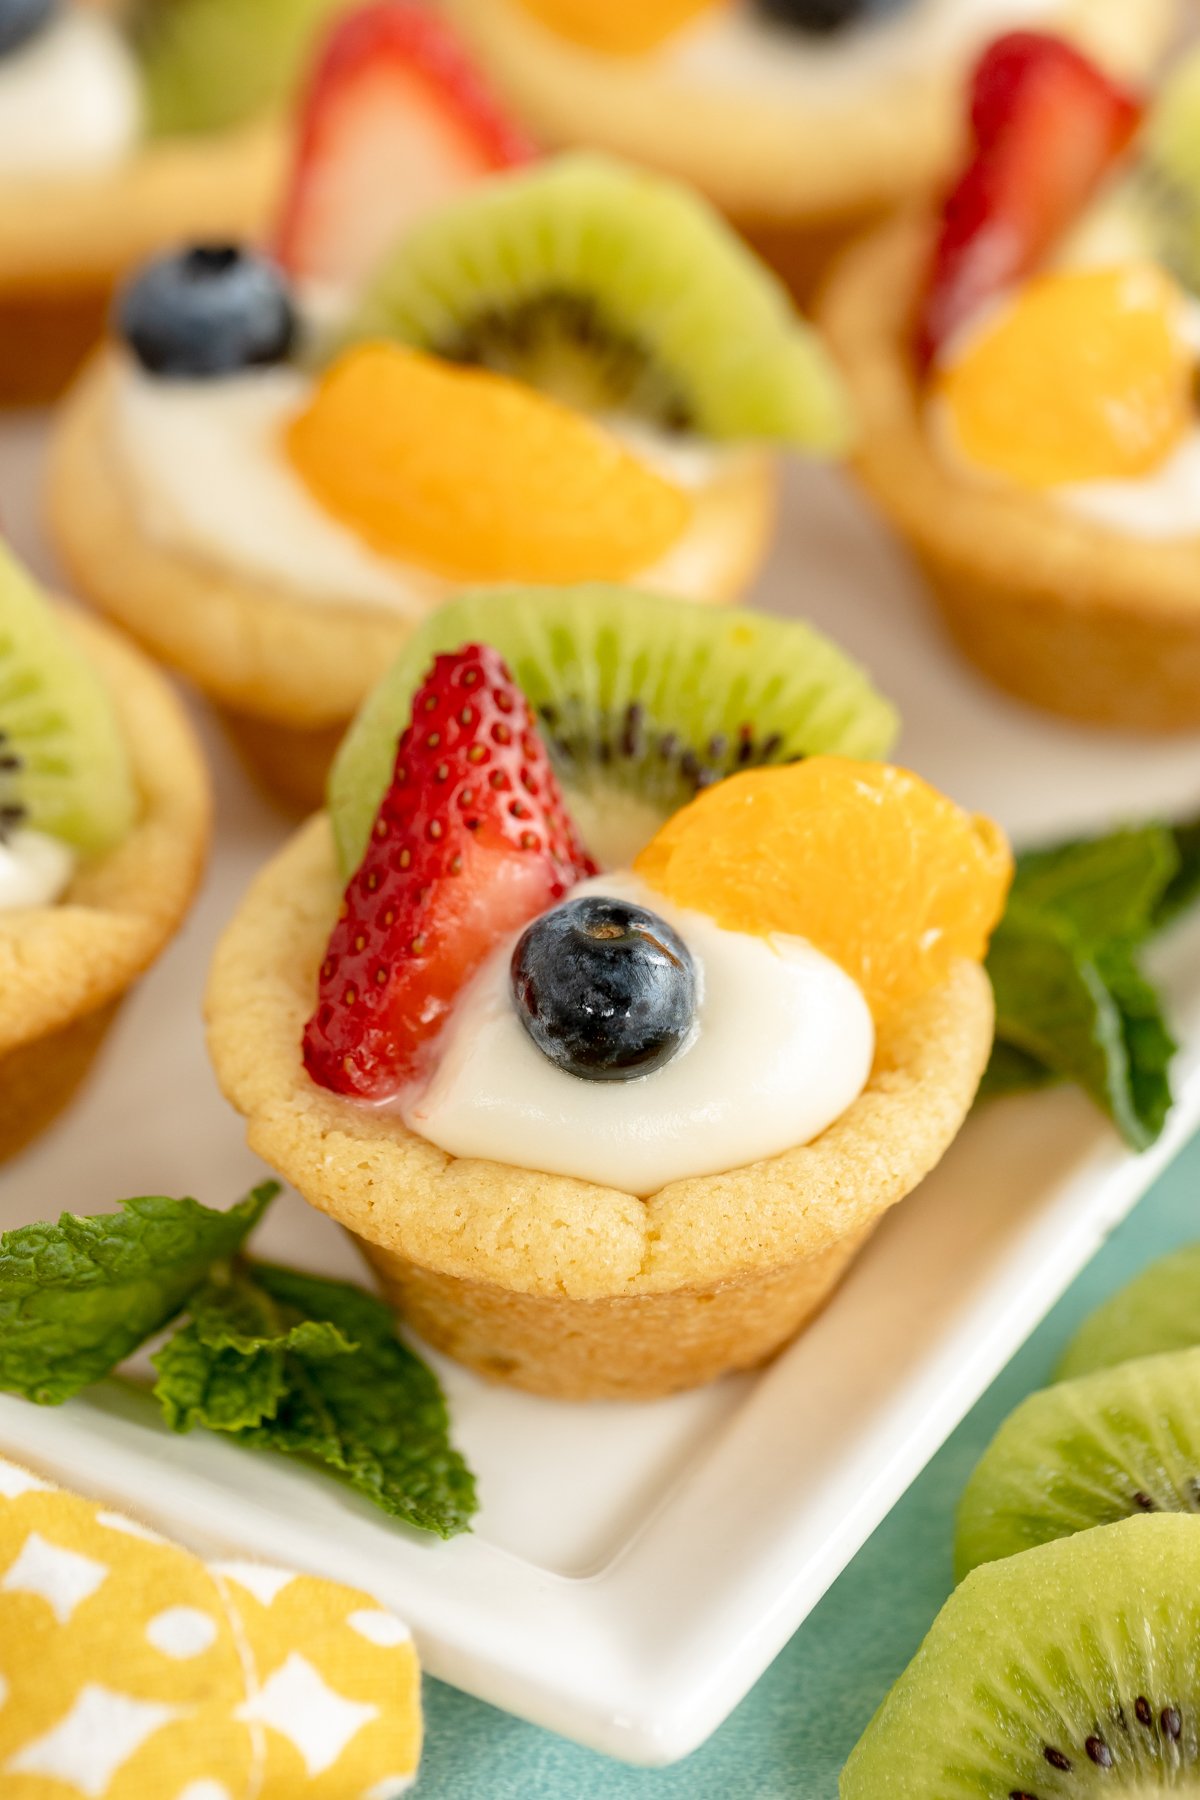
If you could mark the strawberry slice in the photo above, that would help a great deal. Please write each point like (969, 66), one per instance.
(395, 121)
(472, 841)
(1047, 126)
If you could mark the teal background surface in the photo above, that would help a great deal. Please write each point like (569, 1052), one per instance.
(790, 1736)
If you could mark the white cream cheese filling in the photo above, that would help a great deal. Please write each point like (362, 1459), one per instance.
(70, 99)
(207, 467)
(35, 869)
(782, 1044)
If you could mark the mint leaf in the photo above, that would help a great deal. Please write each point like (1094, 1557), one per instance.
(1085, 1015)
(78, 1297)
(1183, 890)
(227, 1368)
(1101, 888)
(377, 1416)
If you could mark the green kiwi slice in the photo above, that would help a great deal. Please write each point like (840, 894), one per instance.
(617, 291)
(63, 765)
(1158, 1311)
(1068, 1672)
(211, 64)
(642, 701)
(1153, 212)
(1088, 1452)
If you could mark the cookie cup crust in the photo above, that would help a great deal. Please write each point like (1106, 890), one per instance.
(554, 1284)
(767, 160)
(64, 968)
(291, 670)
(1082, 621)
(65, 240)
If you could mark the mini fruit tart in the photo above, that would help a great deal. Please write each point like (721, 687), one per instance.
(95, 173)
(104, 819)
(612, 1120)
(1025, 370)
(571, 371)
(802, 119)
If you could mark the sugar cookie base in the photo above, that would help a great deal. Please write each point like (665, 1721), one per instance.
(554, 1284)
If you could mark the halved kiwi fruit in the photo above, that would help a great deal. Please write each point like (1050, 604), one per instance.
(1158, 1311)
(642, 702)
(1068, 1672)
(211, 64)
(617, 291)
(63, 765)
(1088, 1452)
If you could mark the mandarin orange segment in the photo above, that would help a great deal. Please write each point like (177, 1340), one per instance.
(476, 477)
(618, 27)
(1085, 376)
(870, 864)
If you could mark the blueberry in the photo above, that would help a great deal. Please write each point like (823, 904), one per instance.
(210, 310)
(605, 990)
(21, 20)
(823, 17)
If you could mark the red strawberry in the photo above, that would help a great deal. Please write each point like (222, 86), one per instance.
(1047, 126)
(471, 842)
(396, 120)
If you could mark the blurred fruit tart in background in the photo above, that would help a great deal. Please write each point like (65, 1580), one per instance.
(620, 991)
(125, 128)
(104, 818)
(1025, 371)
(802, 119)
(570, 371)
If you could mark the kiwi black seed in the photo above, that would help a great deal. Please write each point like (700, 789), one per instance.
(642, 701)
(1070, 1671)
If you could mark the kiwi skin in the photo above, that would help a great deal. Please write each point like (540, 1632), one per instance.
(1158, 1311)
(1070, 1671)
(642, 701)
(1086, 1453)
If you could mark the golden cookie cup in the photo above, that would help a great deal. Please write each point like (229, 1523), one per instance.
(557, 1285)
(289, 672)
(1092, 624)
(800, 183)
(64, 969)
(66, 240)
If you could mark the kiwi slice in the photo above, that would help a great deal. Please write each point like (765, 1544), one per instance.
(1158, 1311)
(1087, 1452)
(642, 702)
(63, 764)
(617, 291)
(1068, 1672)
(1153, 211)
(211, 64)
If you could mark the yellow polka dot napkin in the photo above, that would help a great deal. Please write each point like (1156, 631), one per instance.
(131, 1670)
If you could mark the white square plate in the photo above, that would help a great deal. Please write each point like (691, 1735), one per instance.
(635, 1568)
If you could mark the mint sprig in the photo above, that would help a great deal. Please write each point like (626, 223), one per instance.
(276, 1359)
(78, 1297)
(1072, 1000)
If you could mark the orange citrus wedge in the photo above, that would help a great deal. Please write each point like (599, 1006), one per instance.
(1085, 376)
(617, 27)
(477, 477)
(870, 864)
